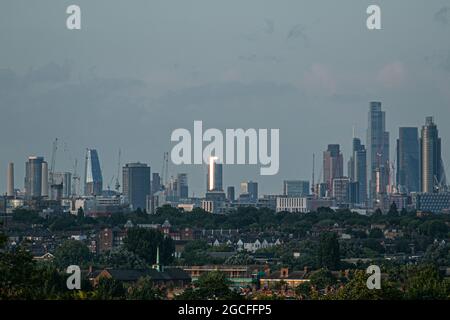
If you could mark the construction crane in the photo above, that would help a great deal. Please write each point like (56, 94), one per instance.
(117, 186)
(53, 161)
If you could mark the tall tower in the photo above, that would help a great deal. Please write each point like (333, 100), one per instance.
(333, 165)
(214, 176)
(10, 180)
(431, 162)
(377, 151)
(357, 169)
(93, 180)
(44, 181)
(408, 160)
(182, 186)
(35, 181)
(136, 184)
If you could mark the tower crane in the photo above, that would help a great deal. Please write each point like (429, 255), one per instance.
(117, 186)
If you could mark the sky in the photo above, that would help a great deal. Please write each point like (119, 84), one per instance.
(139, 69)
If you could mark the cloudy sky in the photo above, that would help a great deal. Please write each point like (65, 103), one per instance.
(140, 69)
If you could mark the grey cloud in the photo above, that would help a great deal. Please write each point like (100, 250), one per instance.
(298, 32)
(443, 16)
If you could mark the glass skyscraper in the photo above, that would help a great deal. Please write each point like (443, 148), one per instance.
(408, 160)
(93, 180)
(377, 152)
(136, 184)
(432, 171)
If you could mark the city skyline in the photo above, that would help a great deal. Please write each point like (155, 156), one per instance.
(308, 71)
(406, 137)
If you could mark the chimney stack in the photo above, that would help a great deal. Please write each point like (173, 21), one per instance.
(10, 180)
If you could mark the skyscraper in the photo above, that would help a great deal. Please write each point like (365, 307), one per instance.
(93, 180)
(44, 180)
(156, 182)
(214, 176)
(230, 193)
(357, 170)
(296, 188)
(64, 179)
(34, 179)
(136, 184)
(333, 165)
(377, 151)
(182, 186)
(432, 173)
(408, 160)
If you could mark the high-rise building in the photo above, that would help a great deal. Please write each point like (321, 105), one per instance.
(44, 181)
(182, 186)
(357, 170)
(250, 188)
(296, 188)
(10, 180)
(93, 180)
(377, 151)
(34, 178)
(408, 160)
(156, 182)
(230, 194)
(214, 180)
(333, 165)
(136, 184)
(432, 170)
(64, 179)
(341, 190)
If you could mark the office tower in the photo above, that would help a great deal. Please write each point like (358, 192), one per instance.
(250, 188)
(353, 193)
(377, 151)
(156, 182)
(214, 176)
(136, 184)
(341, 190)
(230, 194)
(10, 180)
(93, 180)
(295, 188)
(408, 160)
(34, 169)
(357, 169)
(182, 186)
(65, 180)
(44, 181)
(333, 165)
(432, 173)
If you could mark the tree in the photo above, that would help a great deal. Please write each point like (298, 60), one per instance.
(328, 253)
(72, 252)
(393, 211)
(17, 275)
(425, 283)
(121, 258)
(144, 243)
(143, 289)
(109, 289)
(322, 279)
(356, 289)
(210, 286)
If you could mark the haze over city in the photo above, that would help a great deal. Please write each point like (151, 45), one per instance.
(134, 73)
